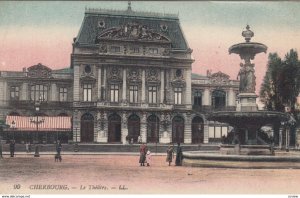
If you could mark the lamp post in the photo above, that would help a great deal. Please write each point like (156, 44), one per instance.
(37, 122)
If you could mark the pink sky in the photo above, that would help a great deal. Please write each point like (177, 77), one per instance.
(24, 45)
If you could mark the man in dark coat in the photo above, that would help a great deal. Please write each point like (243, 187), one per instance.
(58, 147)
(179, 157)
(12, 148)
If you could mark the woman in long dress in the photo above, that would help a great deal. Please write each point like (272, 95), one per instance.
(170, 155)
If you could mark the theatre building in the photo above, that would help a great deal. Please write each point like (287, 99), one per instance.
(130, 75)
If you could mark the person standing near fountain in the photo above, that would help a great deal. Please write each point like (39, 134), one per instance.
(179, 156)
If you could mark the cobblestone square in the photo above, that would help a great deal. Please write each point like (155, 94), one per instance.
(121, 174)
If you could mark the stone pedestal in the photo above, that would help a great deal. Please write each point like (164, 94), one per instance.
(247, 102)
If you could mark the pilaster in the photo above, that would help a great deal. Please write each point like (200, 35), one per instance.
(124, 131)
(53, 95)
(187, 130)
(99, 84)
(144, 127)
(162, 86)
(188, 96)
(76, 83)
(205, 128)
(24, 91)
(124, 86)
(143, 86)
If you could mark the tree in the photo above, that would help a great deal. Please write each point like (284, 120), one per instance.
(269, 92)
(281, 84)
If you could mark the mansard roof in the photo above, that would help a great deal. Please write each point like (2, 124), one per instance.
(98, 22)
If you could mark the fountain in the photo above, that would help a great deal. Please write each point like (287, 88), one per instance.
(246, 146)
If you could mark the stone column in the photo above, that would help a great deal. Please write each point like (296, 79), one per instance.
(144, 127)
(104, 84)
(231, 97)
(99, 83)
(206, 97)
(2, 88)
(102, 123)
(188, 129)
(206, 135)
(124, 86)
(24, 91)
(143, 87)
(76, 126)
(188, 95)
(76, 86)
(54, 93)
(124, 131)
(162, 86)
(280, 137)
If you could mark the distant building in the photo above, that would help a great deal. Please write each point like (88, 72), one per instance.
(130, 76)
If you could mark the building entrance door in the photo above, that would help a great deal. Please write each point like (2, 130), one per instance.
(153, 129)
(133, 127)
(197, 130)
(87, 128)
(178, 130)
(114, 128)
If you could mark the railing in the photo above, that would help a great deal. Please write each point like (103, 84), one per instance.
(85, 104)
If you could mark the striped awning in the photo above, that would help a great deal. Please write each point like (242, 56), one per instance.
(40, 123)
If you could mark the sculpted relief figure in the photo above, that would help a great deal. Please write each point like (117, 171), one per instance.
(247, 78)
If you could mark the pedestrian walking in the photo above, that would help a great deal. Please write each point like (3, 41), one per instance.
(148, 157)
(12, 148)
(143, 152)
(179, 156)
(170, 155)
(58, 147)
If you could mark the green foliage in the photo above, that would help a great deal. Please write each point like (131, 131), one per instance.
(281, 84)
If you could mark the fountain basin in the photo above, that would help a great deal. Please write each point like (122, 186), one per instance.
(251, 48)
(242, 118)
(217, 160)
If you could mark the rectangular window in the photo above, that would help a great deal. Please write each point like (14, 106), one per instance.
(87, 92)
(115, 49)
(211, 132)
(14, 93)
(178, 95)
(63, 93)
(153, 50)
(39, 93)
(218, 132)
(197, 98)
(133, 93)
(114, 93)
(152, 94)
(135, 50)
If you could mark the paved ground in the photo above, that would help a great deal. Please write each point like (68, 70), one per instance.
(114, 174)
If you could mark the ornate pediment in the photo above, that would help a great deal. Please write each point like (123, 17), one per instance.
(114, 75)
(87, 79)
(178, 83)
(219, 78)
(130, 31)
(134, 76)
(152, 77)
(39, 71)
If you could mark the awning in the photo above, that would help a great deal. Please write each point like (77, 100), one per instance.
(40, 123)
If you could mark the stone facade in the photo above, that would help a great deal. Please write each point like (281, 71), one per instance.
(130, 76)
